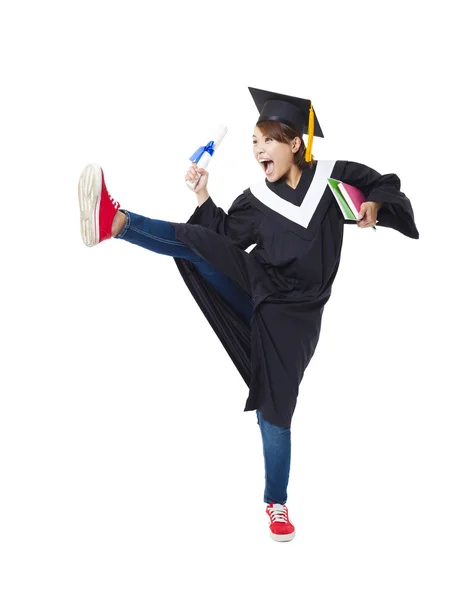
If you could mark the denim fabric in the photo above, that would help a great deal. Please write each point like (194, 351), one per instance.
(159, 236)
(277, 452)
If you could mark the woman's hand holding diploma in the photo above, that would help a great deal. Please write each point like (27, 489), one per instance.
(201, 176)
(196, 177)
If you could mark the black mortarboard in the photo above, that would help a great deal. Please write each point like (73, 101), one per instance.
(295, 112)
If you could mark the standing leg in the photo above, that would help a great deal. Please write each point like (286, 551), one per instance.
(277, 453)
(277, 450)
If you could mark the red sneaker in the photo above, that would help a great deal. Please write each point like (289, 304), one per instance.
(97, 207)
(281, 529)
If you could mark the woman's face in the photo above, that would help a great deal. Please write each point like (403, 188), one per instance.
(275, 158)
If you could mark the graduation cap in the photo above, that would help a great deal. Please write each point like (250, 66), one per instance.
(295, 112)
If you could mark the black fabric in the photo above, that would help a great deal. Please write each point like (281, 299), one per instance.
(290, 110)
(289, 276)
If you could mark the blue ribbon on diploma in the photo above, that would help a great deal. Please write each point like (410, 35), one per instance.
(200, 151)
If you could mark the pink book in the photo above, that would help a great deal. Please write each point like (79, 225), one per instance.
(353, 196)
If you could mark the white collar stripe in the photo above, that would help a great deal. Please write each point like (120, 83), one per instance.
(298, 214)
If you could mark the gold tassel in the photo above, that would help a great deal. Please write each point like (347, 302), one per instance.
(308, 155)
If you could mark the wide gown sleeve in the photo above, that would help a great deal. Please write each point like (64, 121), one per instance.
(237, 225)
(396, 211)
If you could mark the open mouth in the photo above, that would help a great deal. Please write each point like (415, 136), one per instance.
(268, 166)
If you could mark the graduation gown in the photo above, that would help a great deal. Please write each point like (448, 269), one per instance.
(288, 275)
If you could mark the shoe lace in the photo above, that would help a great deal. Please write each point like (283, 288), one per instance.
(114, 202)
(278, 513)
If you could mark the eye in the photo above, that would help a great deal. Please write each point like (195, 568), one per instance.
(268, 138)
(254, 142)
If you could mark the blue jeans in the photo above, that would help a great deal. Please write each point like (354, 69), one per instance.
(159, 236)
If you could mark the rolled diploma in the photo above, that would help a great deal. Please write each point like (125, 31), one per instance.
(205, 157)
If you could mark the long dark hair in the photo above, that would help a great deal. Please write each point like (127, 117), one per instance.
(285, 134)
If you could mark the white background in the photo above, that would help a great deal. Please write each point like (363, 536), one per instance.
(128, 468)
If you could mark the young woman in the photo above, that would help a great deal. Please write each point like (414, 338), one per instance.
(266, 304)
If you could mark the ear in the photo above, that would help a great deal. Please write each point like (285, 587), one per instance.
(296, 143)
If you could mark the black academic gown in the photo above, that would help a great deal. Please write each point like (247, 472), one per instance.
(288, 274)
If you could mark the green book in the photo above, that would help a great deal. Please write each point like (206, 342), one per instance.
(343, 204)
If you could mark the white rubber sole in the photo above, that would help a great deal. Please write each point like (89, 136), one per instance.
(282, 538)
(89, 193)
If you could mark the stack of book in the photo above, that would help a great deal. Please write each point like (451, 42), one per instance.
(349, 199)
